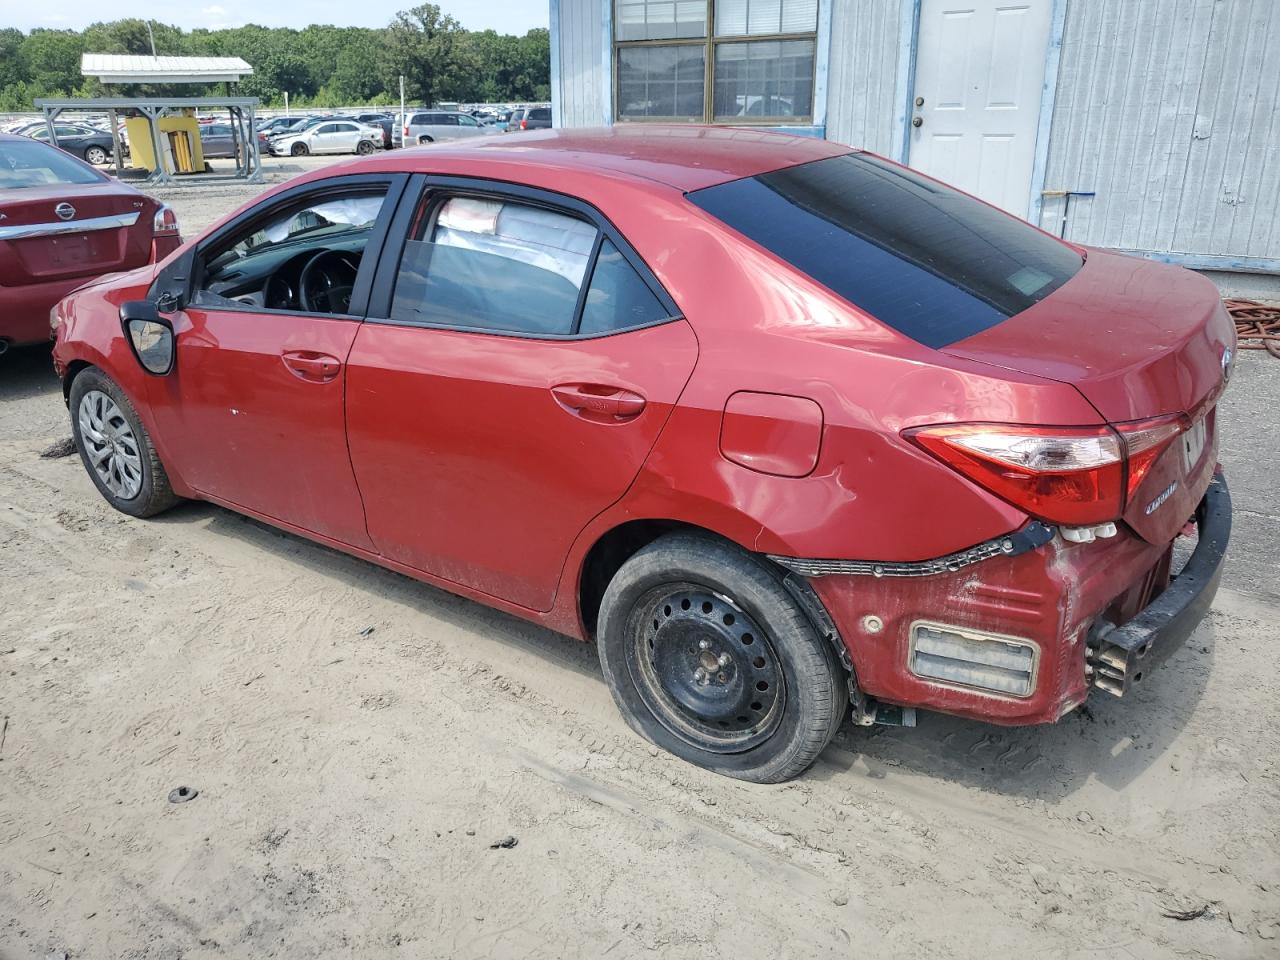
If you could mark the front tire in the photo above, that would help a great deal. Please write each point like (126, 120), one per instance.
(708, 657)
(299, 150)
(95, 155)
(115, 448)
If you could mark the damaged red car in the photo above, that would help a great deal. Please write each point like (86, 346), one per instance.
(63, 223)
(782, 426)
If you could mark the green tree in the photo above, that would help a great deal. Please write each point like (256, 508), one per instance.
(423, 45)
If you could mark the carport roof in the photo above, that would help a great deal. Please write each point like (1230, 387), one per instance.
(123, 68)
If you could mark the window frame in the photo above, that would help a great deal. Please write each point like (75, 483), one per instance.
(297, 198)
(709, 43)
(423, 197)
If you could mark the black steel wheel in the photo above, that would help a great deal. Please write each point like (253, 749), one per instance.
(365, 147)
(706, 669)
(709, 657)
(299, 150)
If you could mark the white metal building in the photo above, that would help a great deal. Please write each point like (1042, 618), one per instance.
(1158, 117)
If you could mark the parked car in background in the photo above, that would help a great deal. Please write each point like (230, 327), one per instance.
(93, 146)
(535, 118)
(667, 392)
(380, 120)
(280, 124)
(329, 136)
(62, 223)
(218, 140)
(428, 126)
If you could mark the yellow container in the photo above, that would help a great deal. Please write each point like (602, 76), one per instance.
(181, 148)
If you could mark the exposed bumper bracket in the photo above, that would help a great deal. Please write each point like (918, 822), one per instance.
(1121, 656)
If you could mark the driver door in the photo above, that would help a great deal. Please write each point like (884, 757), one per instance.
(255, 402)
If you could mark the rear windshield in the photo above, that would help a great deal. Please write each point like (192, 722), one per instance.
(26, 163)
(932, 263)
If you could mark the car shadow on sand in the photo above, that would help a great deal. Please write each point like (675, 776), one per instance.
(27, 372)
(1108, 740)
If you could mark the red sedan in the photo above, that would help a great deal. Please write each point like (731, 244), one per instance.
(781, 425)
(63, 223)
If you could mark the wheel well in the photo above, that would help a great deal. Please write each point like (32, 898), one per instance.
(614, 549)
(73, 371)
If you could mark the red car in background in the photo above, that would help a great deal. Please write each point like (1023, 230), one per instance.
(62, 223)
(780, 425)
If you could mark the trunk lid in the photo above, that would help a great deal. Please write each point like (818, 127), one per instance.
(1139, 340)
(109, 230)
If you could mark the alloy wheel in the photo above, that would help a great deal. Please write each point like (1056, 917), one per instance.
(110, 445)
(96, 155)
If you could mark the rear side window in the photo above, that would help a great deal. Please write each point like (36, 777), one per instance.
(617, 298)
(506, 266)
(930, 262)
(492, 265)
(26, 163)
(541, 113)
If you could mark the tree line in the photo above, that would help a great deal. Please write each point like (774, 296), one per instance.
(318, 65)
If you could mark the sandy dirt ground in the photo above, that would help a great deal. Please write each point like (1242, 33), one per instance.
(360, 742)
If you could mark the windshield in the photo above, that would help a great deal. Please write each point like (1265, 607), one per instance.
(930, 262)
(31, 164)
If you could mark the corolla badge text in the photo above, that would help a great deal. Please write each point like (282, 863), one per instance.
(1165, 494)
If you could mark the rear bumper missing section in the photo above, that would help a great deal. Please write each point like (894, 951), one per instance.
(1121, 656)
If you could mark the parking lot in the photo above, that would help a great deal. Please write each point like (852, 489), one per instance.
(361, 746)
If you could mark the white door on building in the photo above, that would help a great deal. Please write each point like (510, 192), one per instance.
(979, 73)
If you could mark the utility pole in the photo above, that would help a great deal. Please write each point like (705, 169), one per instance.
(402, 119)
(151, 36)
(286, 103)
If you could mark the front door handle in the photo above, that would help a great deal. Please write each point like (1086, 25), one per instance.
(311, 366)
(598, 402)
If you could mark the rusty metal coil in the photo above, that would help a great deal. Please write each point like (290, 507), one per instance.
(1257, 325)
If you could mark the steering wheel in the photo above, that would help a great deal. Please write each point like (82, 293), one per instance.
(327, 281)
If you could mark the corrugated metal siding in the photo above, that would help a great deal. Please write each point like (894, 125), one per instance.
(582, 83)
(1167, 109)
(863, 67)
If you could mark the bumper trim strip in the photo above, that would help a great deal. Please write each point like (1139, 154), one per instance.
(1035, 534)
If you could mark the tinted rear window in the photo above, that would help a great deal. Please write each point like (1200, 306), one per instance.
(932, 263)
(26, 163)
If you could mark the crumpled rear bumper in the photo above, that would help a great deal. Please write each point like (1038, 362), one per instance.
(1121, 656)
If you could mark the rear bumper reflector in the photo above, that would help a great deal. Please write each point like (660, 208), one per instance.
(971, 658)
(1121, 656)
(21, 231)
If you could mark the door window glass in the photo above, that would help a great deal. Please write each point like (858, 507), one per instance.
(617, 298)
(495, 265)
(305, 257)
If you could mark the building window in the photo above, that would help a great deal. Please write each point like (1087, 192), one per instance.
(755, 66)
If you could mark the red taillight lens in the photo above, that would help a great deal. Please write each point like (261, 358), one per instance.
(405, 133)
(165, 223)
(524, 124)
(1069, 475)
(1144, 441)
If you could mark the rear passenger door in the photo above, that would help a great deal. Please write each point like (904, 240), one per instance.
(517, 364)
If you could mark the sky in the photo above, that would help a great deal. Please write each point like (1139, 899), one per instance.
(505, 16)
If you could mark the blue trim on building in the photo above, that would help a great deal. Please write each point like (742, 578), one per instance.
(1210, 261)
(1048, 94)
(905, 85)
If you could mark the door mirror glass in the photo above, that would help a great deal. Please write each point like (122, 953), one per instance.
(150, 336)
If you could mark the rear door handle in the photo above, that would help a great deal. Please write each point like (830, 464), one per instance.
(311, 366)
(599, 402)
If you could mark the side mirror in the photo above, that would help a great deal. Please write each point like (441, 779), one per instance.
(149, 334)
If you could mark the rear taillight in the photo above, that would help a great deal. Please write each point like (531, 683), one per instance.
(524, 124)
(405, 134)
(1068, 475)
(165, 223)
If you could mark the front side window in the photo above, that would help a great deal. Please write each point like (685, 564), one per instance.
(304, 257)
(504, 266)
(663, 49)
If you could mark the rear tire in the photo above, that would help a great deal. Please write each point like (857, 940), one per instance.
(299, 150)
(364, 148)
(709, 657)
(95, 155)
(425, 139)
(107, 429)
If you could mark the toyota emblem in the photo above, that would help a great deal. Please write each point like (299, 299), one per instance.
(65, 211)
